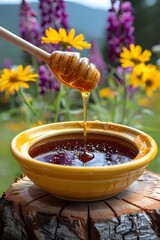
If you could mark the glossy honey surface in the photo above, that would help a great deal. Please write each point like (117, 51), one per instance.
(79, 183)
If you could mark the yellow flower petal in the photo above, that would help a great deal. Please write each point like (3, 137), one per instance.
(136, 50)
(52, 36)
(78, 38)
(106, 93)
(53, 33)
(146, 55)
(63, 35)
(71, 33)
(67, 40)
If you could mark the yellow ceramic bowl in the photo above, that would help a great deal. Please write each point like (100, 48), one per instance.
(83, 183)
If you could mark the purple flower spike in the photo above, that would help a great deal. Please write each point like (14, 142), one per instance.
(96, 57)
(120, 28)
(47, 80)
(53, 14)
(126, 7)
(29, 26)
(61, 14)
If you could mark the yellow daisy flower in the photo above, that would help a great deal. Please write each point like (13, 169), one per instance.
(147, 77)
(12, 79)
(106, 93)
(68, 40)
(133, 56)
(135, 78)
(144, 102)
(151, 80)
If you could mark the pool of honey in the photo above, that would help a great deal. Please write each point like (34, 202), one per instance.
(68, 150)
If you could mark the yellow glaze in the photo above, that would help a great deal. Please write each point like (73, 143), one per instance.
(79, 183)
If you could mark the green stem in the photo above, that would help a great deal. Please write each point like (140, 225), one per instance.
(57, 103)
(67, 101)
(114, 106)
(35, 64)
(124, 98)
(124, 101)
(12, 102)
(95, 98)
(29, 105)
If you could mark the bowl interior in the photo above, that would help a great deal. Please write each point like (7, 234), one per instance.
(74, 150)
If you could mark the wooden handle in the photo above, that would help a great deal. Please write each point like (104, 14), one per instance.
(39, 53)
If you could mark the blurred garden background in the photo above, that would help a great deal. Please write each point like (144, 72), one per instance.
(92, 22)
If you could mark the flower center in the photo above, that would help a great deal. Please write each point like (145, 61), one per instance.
(148, 83)
(135, 60)
(13, 78)
(65, 44)
(139, 76)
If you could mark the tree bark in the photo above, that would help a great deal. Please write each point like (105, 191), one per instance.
(29, 213)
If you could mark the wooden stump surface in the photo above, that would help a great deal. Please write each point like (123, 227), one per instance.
(29, 213)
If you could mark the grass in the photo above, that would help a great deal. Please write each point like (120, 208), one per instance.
(9, 169)
(151, 126)
(154, 165)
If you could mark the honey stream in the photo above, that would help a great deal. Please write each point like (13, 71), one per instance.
(85, 156)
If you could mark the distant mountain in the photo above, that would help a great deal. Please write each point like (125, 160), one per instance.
(89, 21)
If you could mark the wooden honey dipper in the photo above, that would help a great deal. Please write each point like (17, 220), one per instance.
(68, 67)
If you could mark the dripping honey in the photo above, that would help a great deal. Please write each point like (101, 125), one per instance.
(78, 73)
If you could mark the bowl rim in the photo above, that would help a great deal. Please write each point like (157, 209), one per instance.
(22, 142)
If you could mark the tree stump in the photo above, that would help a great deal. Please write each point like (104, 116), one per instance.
(29, 213)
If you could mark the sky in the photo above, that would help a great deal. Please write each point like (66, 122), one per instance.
(102, 4)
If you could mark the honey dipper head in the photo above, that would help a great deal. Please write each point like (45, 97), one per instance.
(73, 71)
